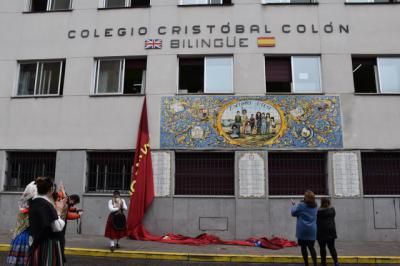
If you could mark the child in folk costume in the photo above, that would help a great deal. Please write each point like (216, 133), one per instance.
(45, 226)
(19, 251)
(116, 222)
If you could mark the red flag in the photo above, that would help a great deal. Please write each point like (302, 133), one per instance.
(142, 186)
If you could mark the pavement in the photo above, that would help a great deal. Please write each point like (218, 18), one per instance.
(97, 246)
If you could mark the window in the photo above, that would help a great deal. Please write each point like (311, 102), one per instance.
(297, 74)
(109, 171)
(288, 1)
(120, 76)
(293, 173)
(381, 173)
(371, 1)
(23, 167)
(206, 75)
(204, 173)
(38, 78)
(124, 3)
(376, 74)
(49, 5)
(205, 2)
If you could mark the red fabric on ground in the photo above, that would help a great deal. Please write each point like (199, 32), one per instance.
(205, 239)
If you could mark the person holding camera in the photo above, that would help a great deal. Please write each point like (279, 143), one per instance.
(326, 230)
(306, 226)
(116, 222)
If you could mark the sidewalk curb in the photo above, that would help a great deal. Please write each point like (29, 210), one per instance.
(198, 257)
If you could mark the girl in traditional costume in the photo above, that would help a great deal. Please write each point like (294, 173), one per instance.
(45, 226)
(19, 250)
(116, 222)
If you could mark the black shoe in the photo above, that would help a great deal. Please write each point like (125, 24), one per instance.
(112, 248)
(117, 246)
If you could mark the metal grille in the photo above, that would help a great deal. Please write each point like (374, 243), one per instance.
(23, 167)
(294, 173)
(204, 173)
(381, 173)
(109, 171)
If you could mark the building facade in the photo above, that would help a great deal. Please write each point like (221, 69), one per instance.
(250, 103)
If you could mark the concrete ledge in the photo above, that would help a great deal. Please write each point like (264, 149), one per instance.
(216, 257)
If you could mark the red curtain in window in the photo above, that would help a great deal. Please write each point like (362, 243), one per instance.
(135, 63)
(278, 69)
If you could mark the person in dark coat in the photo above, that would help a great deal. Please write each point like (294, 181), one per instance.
(306, 226)
(326, 230)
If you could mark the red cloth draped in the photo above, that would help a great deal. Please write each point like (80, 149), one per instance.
(205, 239)
(142, 189)
(142, 186)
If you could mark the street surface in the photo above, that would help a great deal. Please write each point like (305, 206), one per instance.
(99, 261)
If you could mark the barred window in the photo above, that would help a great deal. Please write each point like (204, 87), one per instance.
(24, 167)
(293, 173)
(381, 173)
(204, 173)
(109, 171)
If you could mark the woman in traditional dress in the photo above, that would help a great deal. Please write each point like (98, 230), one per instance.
(116, 222)
(45, 226)
(19, 250)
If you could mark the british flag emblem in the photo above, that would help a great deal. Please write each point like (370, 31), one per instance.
(153, 44)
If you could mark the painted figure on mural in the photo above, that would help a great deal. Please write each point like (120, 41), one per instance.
(247, 128)
(235, 132)
(264, 126)
(268, 121)
(273, 125)
(238, 120)
(252, 123)
(258, 123)
(245, 119)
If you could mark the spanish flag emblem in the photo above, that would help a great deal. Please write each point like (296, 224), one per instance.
(266, 41)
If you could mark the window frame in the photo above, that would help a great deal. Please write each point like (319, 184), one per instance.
(298, 153)
(293, 75)
(182, 3)
(289, 2)
(38, 74)
(230, 70)
(364, 176)
(128, 4)
(377, 75)
(127, 153)
(121, 77)
(371, 2)
(204, 92)
(177, 172)
(379, 72)
(9, 157)
(48, 7)
(292, 84)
